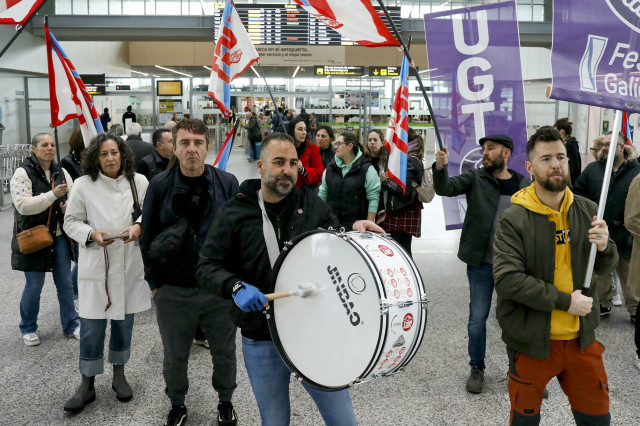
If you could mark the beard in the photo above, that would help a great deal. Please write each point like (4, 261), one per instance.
(492, 166)
(554, 186)
(281, 185)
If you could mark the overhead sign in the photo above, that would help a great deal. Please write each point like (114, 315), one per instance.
(344, 70)
(595, 56)
(384, 71)
(479, 88)
(94, 83)
(123, 87)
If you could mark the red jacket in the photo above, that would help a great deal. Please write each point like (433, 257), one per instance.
(312, 163)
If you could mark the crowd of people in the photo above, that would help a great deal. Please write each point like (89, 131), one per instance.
(156, 223)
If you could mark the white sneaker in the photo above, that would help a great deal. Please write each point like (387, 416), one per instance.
(75, 334)
(31, 339)
(617, 300)
(638, 362)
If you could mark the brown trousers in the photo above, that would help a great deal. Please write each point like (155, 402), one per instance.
(581, 375)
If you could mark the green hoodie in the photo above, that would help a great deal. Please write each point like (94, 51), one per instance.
(524, 269)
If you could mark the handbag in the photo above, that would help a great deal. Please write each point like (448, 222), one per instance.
(36, 238)
(166, 246)
(426, 190)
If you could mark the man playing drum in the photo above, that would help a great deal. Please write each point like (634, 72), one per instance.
(236, 262)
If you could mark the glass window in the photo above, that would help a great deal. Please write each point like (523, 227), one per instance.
(133, 7)
(80, 7)
(63, 7)
(115, 7)
(99, 7)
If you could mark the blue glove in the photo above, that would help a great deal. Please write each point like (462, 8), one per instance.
(247, 297)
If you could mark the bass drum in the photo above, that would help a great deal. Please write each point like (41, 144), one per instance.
(366, 317)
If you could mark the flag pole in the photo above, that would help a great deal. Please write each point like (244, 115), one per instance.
(415, 71)
(275, 106)
(603, 199)
(19, 29)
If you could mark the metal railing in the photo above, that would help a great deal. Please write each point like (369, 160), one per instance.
(11, 156)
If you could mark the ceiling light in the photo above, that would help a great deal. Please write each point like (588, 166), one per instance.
(204, 66)
(295, 72)
(254, 70)
(430, 69)
(141, 73)
(174, 71)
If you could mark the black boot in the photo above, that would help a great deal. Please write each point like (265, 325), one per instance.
(120, 385)
(85, 394)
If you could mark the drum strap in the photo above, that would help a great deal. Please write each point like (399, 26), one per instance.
(270, 238)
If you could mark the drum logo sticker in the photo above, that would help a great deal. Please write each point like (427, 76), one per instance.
(343, 294)
(407, 322)
(386, 250)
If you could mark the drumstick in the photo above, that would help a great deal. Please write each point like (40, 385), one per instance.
(303, 290)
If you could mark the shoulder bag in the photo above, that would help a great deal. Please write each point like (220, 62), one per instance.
(36, 238)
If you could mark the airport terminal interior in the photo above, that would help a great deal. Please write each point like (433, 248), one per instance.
(156, 57)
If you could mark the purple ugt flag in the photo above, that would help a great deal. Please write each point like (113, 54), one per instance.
(595, 58)
(476, 80)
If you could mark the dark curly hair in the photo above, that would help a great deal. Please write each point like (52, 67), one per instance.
(91, 162)
(291, 130)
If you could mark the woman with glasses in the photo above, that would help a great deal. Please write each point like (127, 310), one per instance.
(350, 184)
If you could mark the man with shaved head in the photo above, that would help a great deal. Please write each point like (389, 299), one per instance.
(236, 262)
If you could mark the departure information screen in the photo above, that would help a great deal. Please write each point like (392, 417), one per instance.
(291, 24)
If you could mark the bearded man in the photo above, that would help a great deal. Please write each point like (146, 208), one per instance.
(488, 190)
(236, 263)
(541, 252)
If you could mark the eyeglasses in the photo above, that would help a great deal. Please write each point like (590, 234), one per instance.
(338, 143)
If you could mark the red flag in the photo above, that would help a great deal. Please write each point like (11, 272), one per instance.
(396, 140)
(68, 95)
(233, 55)
(356, 20)
(17, 11)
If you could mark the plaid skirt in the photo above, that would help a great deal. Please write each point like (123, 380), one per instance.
(407, 219)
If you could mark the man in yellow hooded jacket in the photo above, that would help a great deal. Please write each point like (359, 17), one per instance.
(541, 251)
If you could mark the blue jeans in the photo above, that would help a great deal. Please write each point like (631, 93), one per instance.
(480, 292)
(269, 377)
(254, 151)
(92, 334)
(30, 301)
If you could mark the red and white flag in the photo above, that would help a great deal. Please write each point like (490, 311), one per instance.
(68, 95)
(397, 137)
(356, 20)
(17, 11)
(233, 55)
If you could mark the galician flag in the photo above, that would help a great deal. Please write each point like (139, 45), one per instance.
(396, 140)
(356, 20)
(14, 12)
(68, 95)
(233, 55)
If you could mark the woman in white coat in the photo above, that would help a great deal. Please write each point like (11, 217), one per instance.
(111, 282)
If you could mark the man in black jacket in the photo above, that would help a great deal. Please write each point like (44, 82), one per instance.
(589, 185)
(236, 261)
(156, 162)
(134, 141)
(488, 190)
(193, 192)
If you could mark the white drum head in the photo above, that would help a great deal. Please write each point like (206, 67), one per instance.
(331, 337)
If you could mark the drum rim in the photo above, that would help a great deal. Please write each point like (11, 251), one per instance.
(423, 318)
(275, 337)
